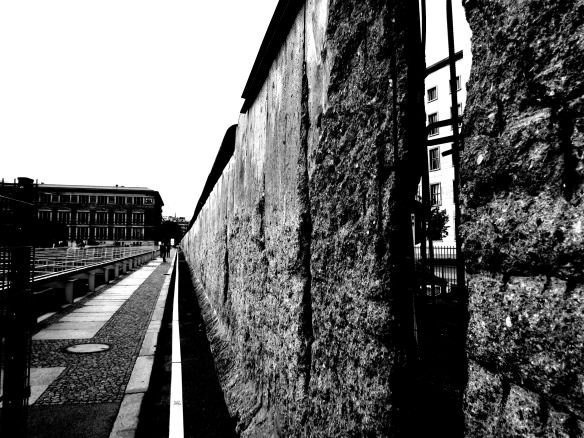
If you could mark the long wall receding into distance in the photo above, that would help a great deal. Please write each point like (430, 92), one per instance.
(301, 247)
(294, 251)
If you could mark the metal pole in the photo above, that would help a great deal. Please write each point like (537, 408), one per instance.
(17, 345)
(460, 280)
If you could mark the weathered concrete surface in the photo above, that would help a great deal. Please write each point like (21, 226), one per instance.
(522, 191)
(299, 254)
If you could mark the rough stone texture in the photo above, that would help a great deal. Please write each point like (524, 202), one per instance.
(522, 189)
(521, 415)
(484, 397)
(299, 254)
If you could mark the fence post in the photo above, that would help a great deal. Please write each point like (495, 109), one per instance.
(17, 342)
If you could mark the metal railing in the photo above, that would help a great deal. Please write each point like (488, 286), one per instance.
(48, 261)
(442, 266)
(51, 260)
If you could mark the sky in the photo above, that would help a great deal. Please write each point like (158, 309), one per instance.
(130, 92)
(127, 92)
(436, 31)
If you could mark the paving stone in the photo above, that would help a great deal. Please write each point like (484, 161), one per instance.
(100, 377)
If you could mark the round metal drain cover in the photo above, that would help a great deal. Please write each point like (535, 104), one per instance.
(87, 348)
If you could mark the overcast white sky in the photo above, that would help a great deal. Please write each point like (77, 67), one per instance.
(128, 92)
(135, 93)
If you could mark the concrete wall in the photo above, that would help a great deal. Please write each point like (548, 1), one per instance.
(299, 253)
(523, 181)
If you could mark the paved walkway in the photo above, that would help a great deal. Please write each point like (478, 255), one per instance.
(79, 395)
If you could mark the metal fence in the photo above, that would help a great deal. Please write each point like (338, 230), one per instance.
(51, 260)
(15, 337)
(442, 269)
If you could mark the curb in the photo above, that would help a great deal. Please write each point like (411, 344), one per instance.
(127, 420)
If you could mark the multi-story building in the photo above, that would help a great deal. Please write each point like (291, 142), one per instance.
(438, 108)
(181, 221)
(105, 214)
(438, 101)
(102, 213)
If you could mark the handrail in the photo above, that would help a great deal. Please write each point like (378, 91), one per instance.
(66, 262)
(68, 272)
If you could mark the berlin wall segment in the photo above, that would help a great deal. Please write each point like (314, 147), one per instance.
(522, 200)
(299, 253)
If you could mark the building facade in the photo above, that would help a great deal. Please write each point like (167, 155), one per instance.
(438, 108)
(97, 214)
(101, 213)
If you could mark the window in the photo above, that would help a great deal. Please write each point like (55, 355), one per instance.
(84, 199)
(138, 200)
(435, 194)
(64, 217)
(74, 199)
(93, 199)
(129, 200)
(121, 200)
(45, 215)
(65, 198)
(434, 155)
(458, 84)
(432, 94)
(111, 199)
(119, 218)
(433, 118)
(137, 233)
(119, 233)
(83, 217)
(44, 197)
(55, 198)
(137, 218)
(101, 233)
(83, 233)
(101, 218)
(102, 199)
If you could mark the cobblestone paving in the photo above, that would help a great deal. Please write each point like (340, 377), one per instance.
(101, 377)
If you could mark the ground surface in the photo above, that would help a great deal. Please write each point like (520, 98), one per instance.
(84, 399)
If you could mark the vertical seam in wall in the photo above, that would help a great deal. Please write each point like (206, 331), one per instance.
(226, 265)
(565, 123)
(501, 408)
(306, 333)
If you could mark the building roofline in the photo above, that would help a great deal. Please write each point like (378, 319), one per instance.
(90, 187)
(442, 63)
(225, 153)
(278, 29)
(95, 189)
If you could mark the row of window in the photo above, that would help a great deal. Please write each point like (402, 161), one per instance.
(432, 92)
(105, 233)
(433, 118)
(82, 217)
(94, 199)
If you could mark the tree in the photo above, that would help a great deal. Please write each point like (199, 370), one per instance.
(437, 228)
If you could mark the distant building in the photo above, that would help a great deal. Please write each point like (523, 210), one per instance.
(91, 214)
(438, 101)
(181, 221)
(438, 108)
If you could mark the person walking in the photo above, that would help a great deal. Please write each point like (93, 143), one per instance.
(163, 252)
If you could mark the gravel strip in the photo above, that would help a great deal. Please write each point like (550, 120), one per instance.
(101, 377)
